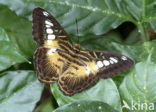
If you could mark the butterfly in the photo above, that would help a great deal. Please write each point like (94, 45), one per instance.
(58, 60)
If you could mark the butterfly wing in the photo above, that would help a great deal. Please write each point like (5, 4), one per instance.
(110, 64)
(51, 38)
(45, 27)
(78, 77)
(95, 65)
(46, 71)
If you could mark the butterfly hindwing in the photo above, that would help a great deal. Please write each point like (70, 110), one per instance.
(110, 64)
(47, 72)
(76, 79)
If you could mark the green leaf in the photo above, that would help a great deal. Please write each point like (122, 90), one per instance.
(138, 87)
(139, 52)
(18, 30)
(46, 106)
(19, 91)
(99, 42)
(86, 106)
(9, 55)
(103, 90)
(93, 16)
(133, 37)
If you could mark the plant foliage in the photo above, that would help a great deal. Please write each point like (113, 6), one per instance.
(20, 89)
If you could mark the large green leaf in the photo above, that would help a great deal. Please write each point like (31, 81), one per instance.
(19, 91)
(138, 88)
(103, 90)
(19, 31)
(86, 106)
(139, 52)
(94, 16)
(9, 54)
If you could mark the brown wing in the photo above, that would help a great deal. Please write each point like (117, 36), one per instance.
(48, 64)
(76, 79)
(48, 33)
(111, 64)
(45, 27)
(80, 75)
(95, 64)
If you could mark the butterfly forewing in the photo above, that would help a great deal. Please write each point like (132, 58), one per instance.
(80, 75)
(45, 27)
(75, 80)
(58, 60)
(48, 33)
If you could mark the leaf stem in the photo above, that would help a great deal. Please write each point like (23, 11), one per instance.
(142, 31)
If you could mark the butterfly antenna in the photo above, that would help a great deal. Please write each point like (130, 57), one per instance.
(77, 31)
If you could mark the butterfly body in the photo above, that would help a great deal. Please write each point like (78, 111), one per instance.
(58, 60)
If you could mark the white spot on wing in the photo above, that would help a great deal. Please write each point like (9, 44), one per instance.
(113, 59)
(87, 70)
(48, 23)
(99, 64)
(106, 62)
(45, 13)
(49, 30)
(48, 26)
(51, 51)
(51, 37)
(124, 58)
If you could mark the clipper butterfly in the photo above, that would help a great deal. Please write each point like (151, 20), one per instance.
(58, 60)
